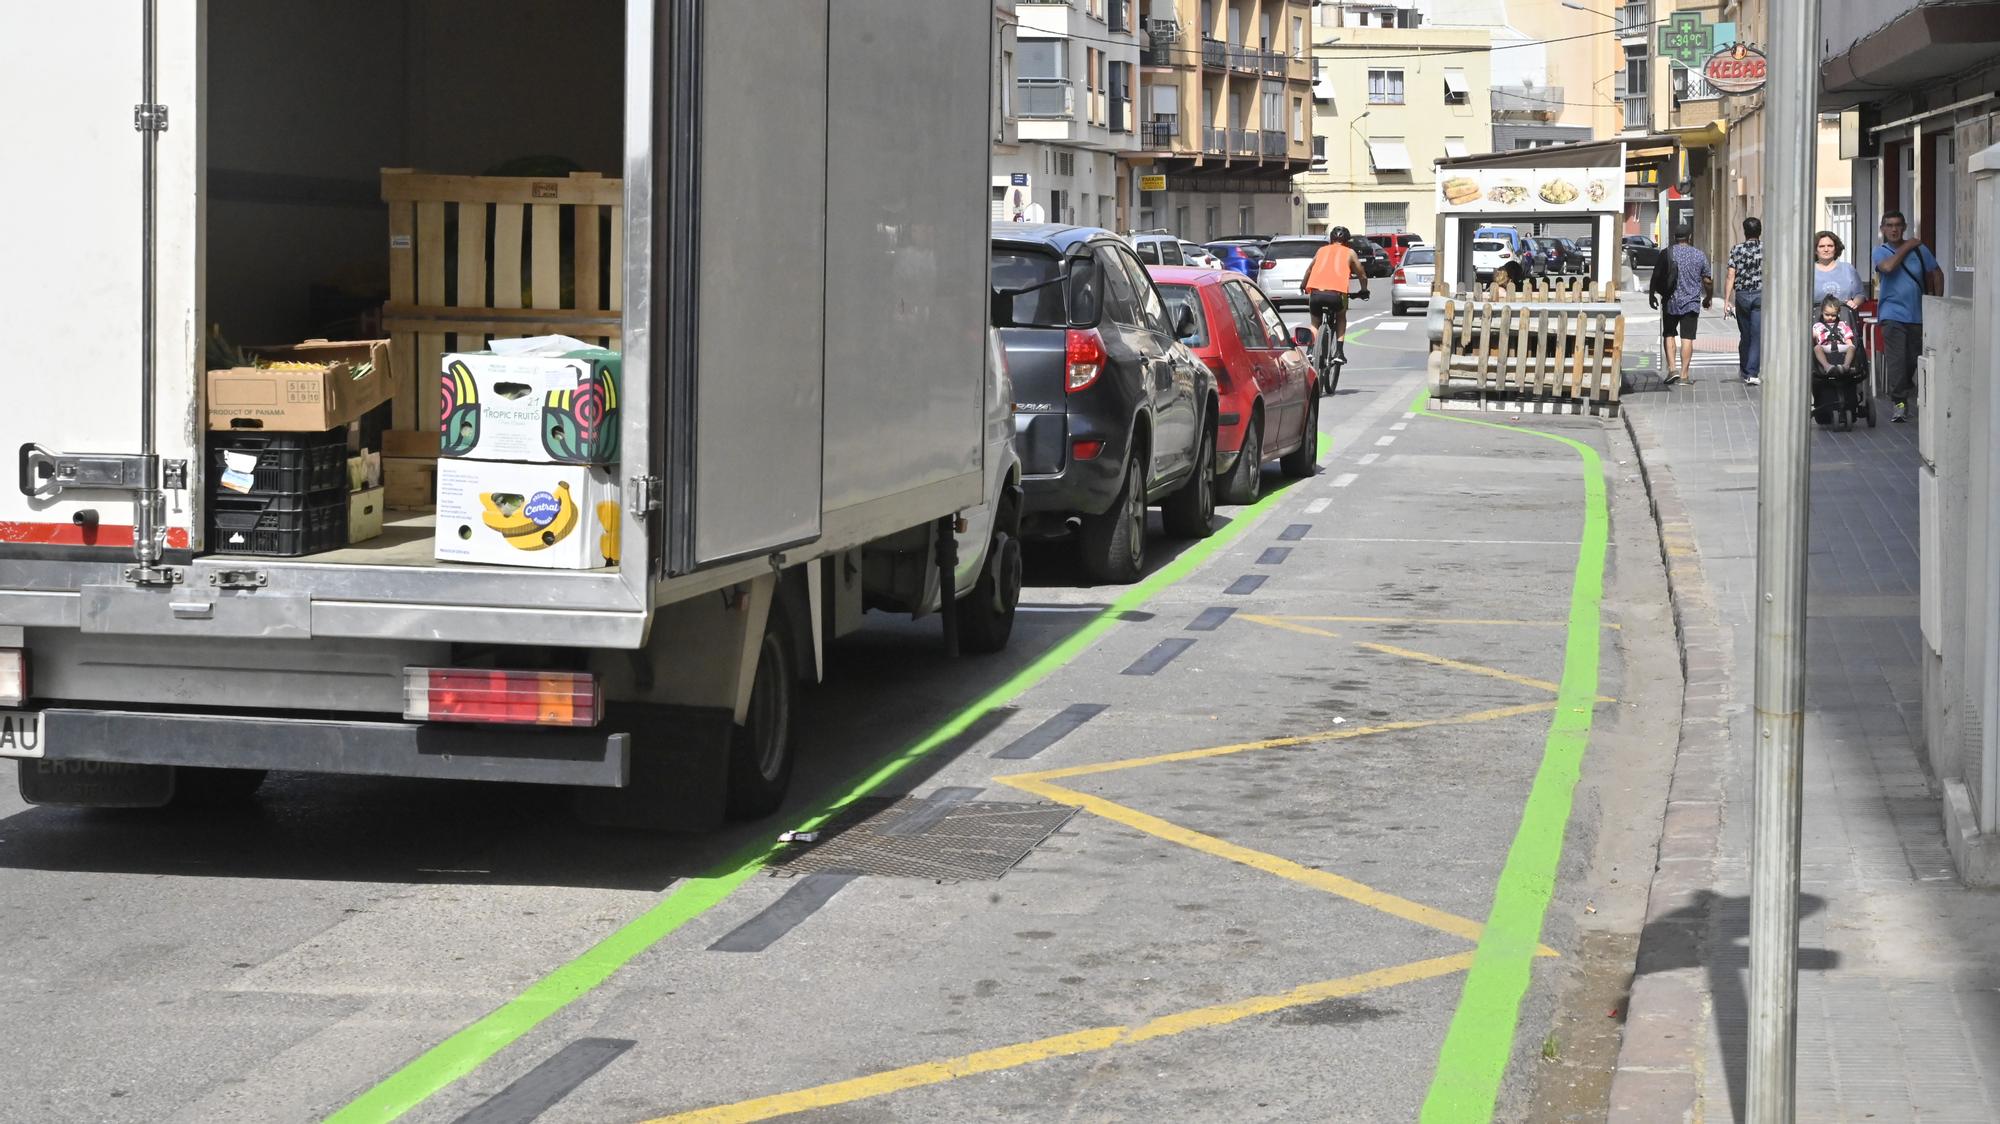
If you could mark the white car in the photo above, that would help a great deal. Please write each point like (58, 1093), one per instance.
(1411, 286)
(1198, 256)
(1291, 257)
(1488, 256)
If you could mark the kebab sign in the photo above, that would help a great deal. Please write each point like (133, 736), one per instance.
(1738, 69)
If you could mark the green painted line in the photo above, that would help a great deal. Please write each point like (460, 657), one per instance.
(465, 1051)
(1480, 1042)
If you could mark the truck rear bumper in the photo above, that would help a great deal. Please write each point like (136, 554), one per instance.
(594, 758)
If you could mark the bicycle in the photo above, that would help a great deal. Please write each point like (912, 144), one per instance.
(1329, 353)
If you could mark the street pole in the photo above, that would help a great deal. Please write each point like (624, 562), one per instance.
(1783, 474)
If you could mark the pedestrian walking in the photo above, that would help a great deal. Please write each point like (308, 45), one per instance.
(1684, 283)
(1905, 272)
(1743, 298)
(1833, 277)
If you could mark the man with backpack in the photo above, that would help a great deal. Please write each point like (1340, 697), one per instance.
(1684, 283)
(1905, 271)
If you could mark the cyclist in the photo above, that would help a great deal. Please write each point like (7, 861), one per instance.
(1334, 273)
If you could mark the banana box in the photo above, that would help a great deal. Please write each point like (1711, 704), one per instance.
(555, 516)
(560, 409)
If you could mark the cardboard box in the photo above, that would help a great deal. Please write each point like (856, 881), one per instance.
(554, 516)
(409, 443)
(410, 483)
(364, 515)
(342, 381)
(544, 410)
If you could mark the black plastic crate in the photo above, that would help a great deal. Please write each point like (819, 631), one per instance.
(287, 463)
(269, 525)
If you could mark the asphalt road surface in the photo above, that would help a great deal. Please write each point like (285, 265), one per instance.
(1229, 845)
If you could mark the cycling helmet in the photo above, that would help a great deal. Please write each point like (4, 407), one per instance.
(1339, 234)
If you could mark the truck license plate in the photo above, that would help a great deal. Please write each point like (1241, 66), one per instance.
(20, 733)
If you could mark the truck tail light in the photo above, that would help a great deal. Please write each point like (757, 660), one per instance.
(525, 698)
(1084, 352)
(13, 676)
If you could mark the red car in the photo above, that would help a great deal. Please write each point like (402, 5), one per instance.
(1396, 245)
(1269, 404)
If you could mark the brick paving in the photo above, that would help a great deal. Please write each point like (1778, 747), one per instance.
(1899, 987)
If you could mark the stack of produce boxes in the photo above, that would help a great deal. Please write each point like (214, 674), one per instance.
(526, 447)
(279, 482)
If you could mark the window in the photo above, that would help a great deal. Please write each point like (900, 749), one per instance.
(1456, 91)
(1298, 120)
(1042, 58)
(1181, 221)
(1274, 324)
(1384, 218)
(1149, 252)
(1298, 37)
(1058, 205)
(1214, 216)
(1090, 57)
(1454, 147)
(1274, 107)
(1318, 210)
(1065, 163)
(1319, 148)
(1245, 219)
(1636, 78)
(1183, 296)
(1249, 328)
(1388, 154)
(1385, 87)
(1152, 313)
(1121, 304)
(1022, 269)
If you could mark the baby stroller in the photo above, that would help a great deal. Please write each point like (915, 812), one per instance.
(1841, 395)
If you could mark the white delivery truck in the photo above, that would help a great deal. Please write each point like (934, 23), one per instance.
(794, 272)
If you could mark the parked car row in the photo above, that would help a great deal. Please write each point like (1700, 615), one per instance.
(1140, 383)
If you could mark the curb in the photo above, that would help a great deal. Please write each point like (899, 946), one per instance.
(1658, 1077)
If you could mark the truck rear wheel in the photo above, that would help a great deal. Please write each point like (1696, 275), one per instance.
(760, 749)
(986, 615)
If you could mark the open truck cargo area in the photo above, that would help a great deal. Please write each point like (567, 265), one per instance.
(796, 299)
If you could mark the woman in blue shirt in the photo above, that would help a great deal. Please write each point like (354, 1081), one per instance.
(1833, 277)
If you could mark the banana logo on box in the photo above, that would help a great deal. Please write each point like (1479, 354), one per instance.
(534, 522)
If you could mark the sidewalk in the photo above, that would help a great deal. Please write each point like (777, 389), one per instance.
(1899, 1018)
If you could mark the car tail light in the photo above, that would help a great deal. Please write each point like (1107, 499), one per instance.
(1505, 255)
(1268, 263)
(527, 698)
(13, 676)
(1085, 449)
(1399, 278)
(1084, 352)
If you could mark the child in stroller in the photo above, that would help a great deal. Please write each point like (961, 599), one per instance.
(1839, 367)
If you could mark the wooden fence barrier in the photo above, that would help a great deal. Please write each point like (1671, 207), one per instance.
(1554, 355)
(477, 257)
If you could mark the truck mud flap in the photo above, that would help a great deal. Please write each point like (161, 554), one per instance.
(96, 784)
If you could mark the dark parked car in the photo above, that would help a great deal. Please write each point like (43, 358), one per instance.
(1644, 252)
(1374, 259)
(1112, 411)
(1554, 258)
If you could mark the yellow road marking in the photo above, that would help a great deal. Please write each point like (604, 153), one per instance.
(1457, 665)
(1065, 1045)
(1261, 619)
(1280, 622)
(1279, 743)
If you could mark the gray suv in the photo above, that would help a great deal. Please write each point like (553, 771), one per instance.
(1112, 412)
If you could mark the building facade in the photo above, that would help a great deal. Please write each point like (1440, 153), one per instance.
(1388, 102)
(1225, 117)
(1068, 82)
(1917, 86)
(1555, 66)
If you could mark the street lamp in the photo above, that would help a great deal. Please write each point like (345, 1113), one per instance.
(1593, 11)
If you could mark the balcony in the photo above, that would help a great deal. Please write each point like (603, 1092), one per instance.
(1161, 132)
(1242, 57)
(1214, 53)
(1214, 140)
(1634, 20)
(1534, 103)
(1271, 62)
(1274, 143)
(1043, 98)
(1161, 44)
(1242, 142)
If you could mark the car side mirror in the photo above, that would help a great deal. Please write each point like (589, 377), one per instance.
(1302, 338)
(1184, 327)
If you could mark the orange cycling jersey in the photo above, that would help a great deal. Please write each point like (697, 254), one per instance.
(1332, 269)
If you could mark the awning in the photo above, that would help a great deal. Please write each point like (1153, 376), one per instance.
(1388, 154)
(1454, 147)
(1701, 136)
(1454, 83)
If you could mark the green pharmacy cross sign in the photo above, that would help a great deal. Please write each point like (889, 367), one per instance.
(1687, 40)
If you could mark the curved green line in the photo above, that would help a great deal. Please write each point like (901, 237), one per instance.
(1480, 1042)
(465, 1051)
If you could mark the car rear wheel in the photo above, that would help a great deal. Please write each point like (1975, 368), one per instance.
(1114, 543)
(1304, 460)
(1190, 512)
(1246, 480)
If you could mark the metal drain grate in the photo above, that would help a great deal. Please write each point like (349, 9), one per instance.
(971, 841)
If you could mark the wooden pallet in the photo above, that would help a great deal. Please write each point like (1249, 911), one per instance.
(472, 258)
(1559, 289)
(1539, 356)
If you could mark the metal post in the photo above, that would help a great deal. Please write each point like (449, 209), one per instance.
(1784, 470)
(150, 508)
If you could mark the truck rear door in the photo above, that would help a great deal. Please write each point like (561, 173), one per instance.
(71, 279)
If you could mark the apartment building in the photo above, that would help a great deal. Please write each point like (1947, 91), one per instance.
(1069, 80)
(1389, 101)
(1225, 116)
(1555, 65)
